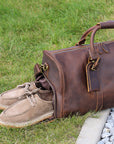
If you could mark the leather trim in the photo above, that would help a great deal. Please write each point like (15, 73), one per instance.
(62, 85)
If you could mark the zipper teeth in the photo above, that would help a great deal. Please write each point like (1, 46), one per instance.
(76, 47)
(67, 49)
(53, 94)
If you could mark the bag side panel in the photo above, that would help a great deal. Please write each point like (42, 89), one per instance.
(55, 77)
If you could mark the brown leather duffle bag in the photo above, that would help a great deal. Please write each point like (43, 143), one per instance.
(81, 77)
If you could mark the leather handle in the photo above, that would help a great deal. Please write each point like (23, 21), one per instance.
(83, 38)
(103, 25)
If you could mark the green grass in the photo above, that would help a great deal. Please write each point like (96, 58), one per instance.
(27, 28)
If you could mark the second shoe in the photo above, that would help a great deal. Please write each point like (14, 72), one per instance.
(11, 96)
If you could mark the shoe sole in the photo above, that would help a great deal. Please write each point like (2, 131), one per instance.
(31, 122)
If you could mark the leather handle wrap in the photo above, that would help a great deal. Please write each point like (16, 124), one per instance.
(106, 25)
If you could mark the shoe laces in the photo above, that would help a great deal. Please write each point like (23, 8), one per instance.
(29, 94)
(26, 85)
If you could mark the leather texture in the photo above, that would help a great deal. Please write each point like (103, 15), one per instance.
(82, 77)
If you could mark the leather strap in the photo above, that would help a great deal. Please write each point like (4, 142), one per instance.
(93, 53)
(83, 38)
(94, 29)
(99, 101)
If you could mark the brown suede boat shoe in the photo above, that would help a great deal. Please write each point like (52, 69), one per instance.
(11, 96)
(27, 111)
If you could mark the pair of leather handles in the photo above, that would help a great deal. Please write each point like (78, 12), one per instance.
(94, 29)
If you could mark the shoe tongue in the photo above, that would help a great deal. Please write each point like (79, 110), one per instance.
(32, 86)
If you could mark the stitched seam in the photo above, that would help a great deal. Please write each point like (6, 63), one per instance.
(52, 57)
(76, 47)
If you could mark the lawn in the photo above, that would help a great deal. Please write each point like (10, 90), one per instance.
(27, 28)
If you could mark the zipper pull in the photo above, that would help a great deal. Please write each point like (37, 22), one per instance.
(43, 67)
